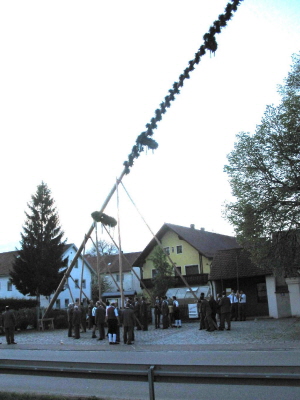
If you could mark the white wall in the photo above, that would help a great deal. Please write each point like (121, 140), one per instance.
(279, 303)
(130, 281)
(64, 295)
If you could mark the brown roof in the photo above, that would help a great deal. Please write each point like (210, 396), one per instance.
(6, 261)
(207, 243)
(112, 261)
(228, 264)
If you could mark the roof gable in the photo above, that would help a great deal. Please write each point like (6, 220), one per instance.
(206, 243)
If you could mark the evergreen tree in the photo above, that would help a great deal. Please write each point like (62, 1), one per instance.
(39, 267)
(264, 173)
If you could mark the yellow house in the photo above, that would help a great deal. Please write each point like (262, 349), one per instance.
(191, 250)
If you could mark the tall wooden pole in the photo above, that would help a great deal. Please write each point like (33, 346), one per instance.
(98, 262)
(79, 251)
(120, 251)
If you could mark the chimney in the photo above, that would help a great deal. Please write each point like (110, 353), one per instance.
(192, 226)
(203, 229)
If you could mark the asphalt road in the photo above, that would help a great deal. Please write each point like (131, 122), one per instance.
(260, 342)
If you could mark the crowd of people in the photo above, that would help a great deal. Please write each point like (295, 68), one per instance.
(135, 315)
(213, 314)
(225, 308)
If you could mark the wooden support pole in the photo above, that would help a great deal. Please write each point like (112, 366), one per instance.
(68, 271)
(128, 263)
(107, 269)
(120, 251)
(160, 245)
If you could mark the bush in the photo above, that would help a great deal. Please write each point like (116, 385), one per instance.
(60, 318)
(25, 317)
(60, 322)
(17, 304)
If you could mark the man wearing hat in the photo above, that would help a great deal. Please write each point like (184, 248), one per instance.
(225, 312)
(9, 322)
(128, 324)
(76, 321)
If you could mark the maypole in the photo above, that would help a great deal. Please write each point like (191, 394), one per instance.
(144, 139)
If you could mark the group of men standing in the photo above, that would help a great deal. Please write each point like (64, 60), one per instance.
(227, 307)
(238, 305)
(167, 312)
(100, 314)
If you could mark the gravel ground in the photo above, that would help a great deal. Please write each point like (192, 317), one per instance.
(264, 332)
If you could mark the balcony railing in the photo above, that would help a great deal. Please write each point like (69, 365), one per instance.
(192, 280)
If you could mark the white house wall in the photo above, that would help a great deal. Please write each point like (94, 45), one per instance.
(130, 281)
(65, 295)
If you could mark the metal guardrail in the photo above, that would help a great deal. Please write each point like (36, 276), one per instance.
(201, 374)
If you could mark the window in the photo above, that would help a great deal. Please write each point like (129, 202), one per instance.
(9, 286)
(66, 303)
(191, 269)
(179, 249)
(76, 264)
(178, 269)
(76, 283)
(57, 304)
(118, 277)
(83, 283)
(154, 273)
(167, 250)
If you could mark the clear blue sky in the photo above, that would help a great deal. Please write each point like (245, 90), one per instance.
(79, 81)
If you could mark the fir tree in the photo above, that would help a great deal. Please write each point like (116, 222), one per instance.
(39, 267)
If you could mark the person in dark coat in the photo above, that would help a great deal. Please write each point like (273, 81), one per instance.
(83, 317)
(214, 308)
(144, 314)
(100, 320)
(165, 312)
(157, 312)
(137, 313)
(206, 309)
(76, 322)
(225, 312)
(70, 319)
(201, 311)
(128, 324)
(9, 323)
(90, 319)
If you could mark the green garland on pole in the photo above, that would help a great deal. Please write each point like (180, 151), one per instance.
(210, 43)
(104, 219)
